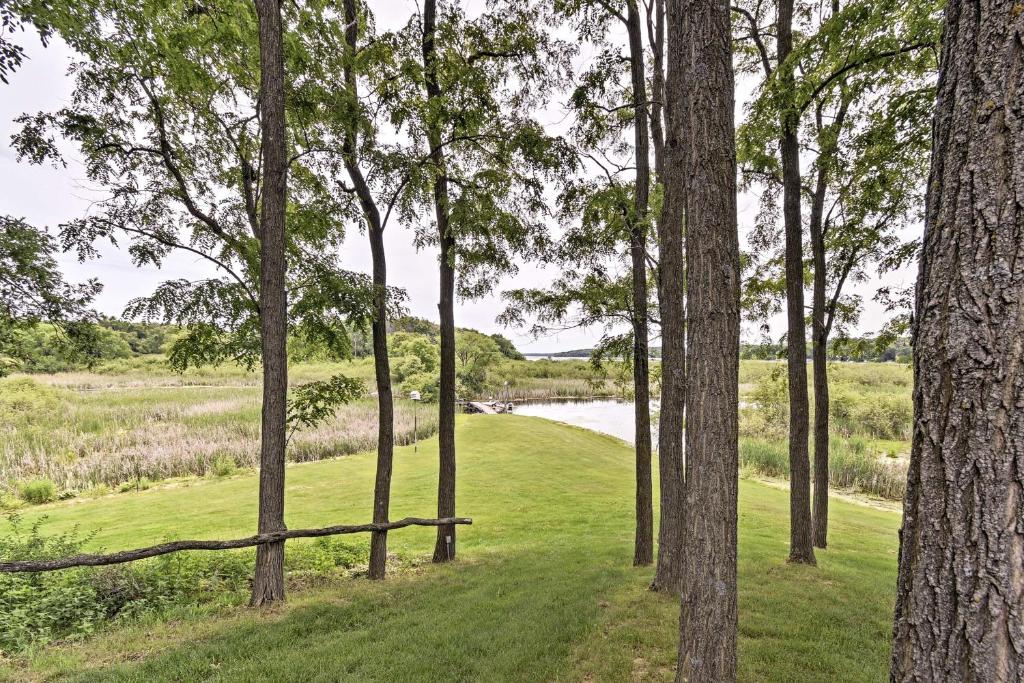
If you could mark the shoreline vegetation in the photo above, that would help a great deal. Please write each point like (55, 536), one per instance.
(131, 424)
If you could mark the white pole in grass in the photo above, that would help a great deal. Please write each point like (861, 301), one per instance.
(415, 396)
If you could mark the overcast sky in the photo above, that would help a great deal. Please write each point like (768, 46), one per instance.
(46, 196)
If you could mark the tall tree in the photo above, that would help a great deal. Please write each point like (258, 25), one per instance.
(168, 111)
(863, 84)
(801, 548)
(487, 160)
(700, 89)
(444, 547)
(960, 597)
(672, 307)
(268, 581)
(643, 546)
(375, 225)
(605, 93)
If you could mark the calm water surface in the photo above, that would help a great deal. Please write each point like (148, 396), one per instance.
(604, 415)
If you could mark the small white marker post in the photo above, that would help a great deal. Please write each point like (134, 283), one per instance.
(415, 396)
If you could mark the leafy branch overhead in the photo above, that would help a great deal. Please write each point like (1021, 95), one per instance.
(863, 91)
(312, 403)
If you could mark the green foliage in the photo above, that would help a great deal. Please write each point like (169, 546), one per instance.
(862, 90)
(164, 100)
(415, 363)
(771, 396)
(27, 397)
(852, 466)
(507, 348)
(224, 466)
(37, 491)
(313, 402)
(32, 290)
(413, 353)
(476, 354)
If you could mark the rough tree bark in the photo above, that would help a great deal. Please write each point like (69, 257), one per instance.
(379, 328)
(960, 592)
(643, 552)
(656, 37)
(702, 100)
(444, 547)
(672, 307)
(268, 579)
(801, 548)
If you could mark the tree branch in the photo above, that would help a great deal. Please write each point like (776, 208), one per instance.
(755, 35)
(850, 66)
(178, 546)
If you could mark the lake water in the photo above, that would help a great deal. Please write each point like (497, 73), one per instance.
(604, 415)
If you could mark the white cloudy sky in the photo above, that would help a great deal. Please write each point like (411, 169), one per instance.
(47, 196)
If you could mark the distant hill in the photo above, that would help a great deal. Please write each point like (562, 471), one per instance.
(575, 353)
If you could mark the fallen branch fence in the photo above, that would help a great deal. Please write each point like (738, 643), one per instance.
(123, 556)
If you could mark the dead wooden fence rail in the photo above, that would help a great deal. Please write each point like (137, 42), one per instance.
(178, 546)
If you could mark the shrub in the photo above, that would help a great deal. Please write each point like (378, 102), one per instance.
(28, 397)
(223, 466)
(852, 465)
(886, 418)
(41, 607)
(771, 400)
(38, 491)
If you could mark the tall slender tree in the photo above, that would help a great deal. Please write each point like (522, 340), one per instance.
(700, 89)
(643, 547)
(864, 82)
(168, 115)
(444, 547)
(672, 307)
(375, 225)
(801, 547)
(600, 123)
(268, 581)
(486, 162)
(960, 594)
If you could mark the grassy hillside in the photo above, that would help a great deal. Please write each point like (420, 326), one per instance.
(543, 589)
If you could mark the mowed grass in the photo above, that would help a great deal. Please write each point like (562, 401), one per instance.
(542, 590)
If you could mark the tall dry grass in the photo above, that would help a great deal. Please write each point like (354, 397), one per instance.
(90, 436)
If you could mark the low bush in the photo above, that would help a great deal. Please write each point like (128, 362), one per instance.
(223, 466)
(37, 491)
(852, 465)
(37, 608)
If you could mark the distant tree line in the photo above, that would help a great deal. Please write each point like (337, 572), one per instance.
(44, 347)
(866, 349)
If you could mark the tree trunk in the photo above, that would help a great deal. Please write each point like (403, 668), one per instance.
(800, 544)
(822, 313)
(268, 579)
(702, 102)
(643, 552)
(381, 364)
(385, 407)
(819, 353)
(658, 86)
(672, 308)
(960, 592)
(444, 547)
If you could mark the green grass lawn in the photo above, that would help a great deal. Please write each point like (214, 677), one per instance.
(543, 589)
